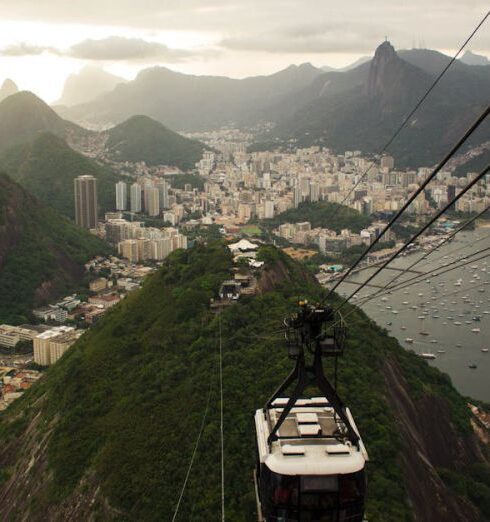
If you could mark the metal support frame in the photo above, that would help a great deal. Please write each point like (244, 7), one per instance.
(305, 375)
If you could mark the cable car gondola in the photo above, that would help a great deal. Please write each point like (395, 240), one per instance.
(311, 459)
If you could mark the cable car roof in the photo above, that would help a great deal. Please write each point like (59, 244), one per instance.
(307, 443)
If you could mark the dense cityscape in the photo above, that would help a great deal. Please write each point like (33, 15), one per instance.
(244, 261)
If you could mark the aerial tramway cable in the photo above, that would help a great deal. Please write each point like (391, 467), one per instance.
(432, 273)
(221, 421)
(409, 201)
(389, 284)
(419, 232)
(194, 452)
(416, 107)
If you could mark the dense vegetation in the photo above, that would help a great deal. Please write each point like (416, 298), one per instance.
(180, 180)
(135, 387)
(323, 214)
(47, 166)
(42, 253)
(142, 139)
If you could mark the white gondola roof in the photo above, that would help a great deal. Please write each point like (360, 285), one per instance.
(306, 448)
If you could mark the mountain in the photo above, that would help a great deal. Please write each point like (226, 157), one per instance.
(356, 63)
(47, 166)
(360, 109)
(142, 139)
(187, 102)
(110, 430)
(471, 58)
(41, 253)
(24, 115)
(87, 85)
(7, 89)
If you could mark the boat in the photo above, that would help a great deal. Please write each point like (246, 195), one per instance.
(473, 366)
(403, 327)
(394, 312)
(484, 350)
(475, 330)
(433, 341)
(441, 351)
(457, 323)
(423, 333)
(421, 317)
(435, 317)
(389, 323)
(459, 346)
(427, 355)
(409, 340)
(405, 302)
(477, 318)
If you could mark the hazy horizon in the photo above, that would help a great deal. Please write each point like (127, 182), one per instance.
(41, 45)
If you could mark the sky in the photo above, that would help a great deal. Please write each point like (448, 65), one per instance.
(43, 41)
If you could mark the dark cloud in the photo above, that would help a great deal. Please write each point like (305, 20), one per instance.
(117, 48)
(113, 48)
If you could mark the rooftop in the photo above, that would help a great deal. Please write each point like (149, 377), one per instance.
(313, 440)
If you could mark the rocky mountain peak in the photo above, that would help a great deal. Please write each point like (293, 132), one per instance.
(8, 88)
(382, 66)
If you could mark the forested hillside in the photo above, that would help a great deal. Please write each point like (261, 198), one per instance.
(142, 139)
(109, 432)
(41, 253)
(323, 214)
(47, 166)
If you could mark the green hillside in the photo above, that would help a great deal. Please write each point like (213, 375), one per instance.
(41, 252)
(120, 413)
(24, 115)
(47, 166)
(142, 139)
(323, 214)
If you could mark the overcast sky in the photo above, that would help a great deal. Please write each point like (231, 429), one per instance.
(42, 41)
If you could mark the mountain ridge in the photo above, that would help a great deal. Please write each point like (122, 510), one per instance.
(160, 348)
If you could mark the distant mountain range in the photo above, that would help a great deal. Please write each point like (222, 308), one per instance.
(41, 253)
(88, 84)
(361, 108)
(186, 102)
(357, 108)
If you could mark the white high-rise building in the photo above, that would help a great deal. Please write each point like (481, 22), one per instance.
(121, 195)
(135, 197)
(268, 209)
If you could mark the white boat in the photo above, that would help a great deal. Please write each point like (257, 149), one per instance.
(405, 302)
(459, 346)
(475, 330)
(403, 327)
(484, 350)
(433, 341)
(457, 323)
(427, 355)
(441, 351)
(409, 340)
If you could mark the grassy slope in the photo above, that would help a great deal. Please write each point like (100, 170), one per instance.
(47, 167)
(134, 389)
(323, 214)
(142, 139)
(46, 248)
